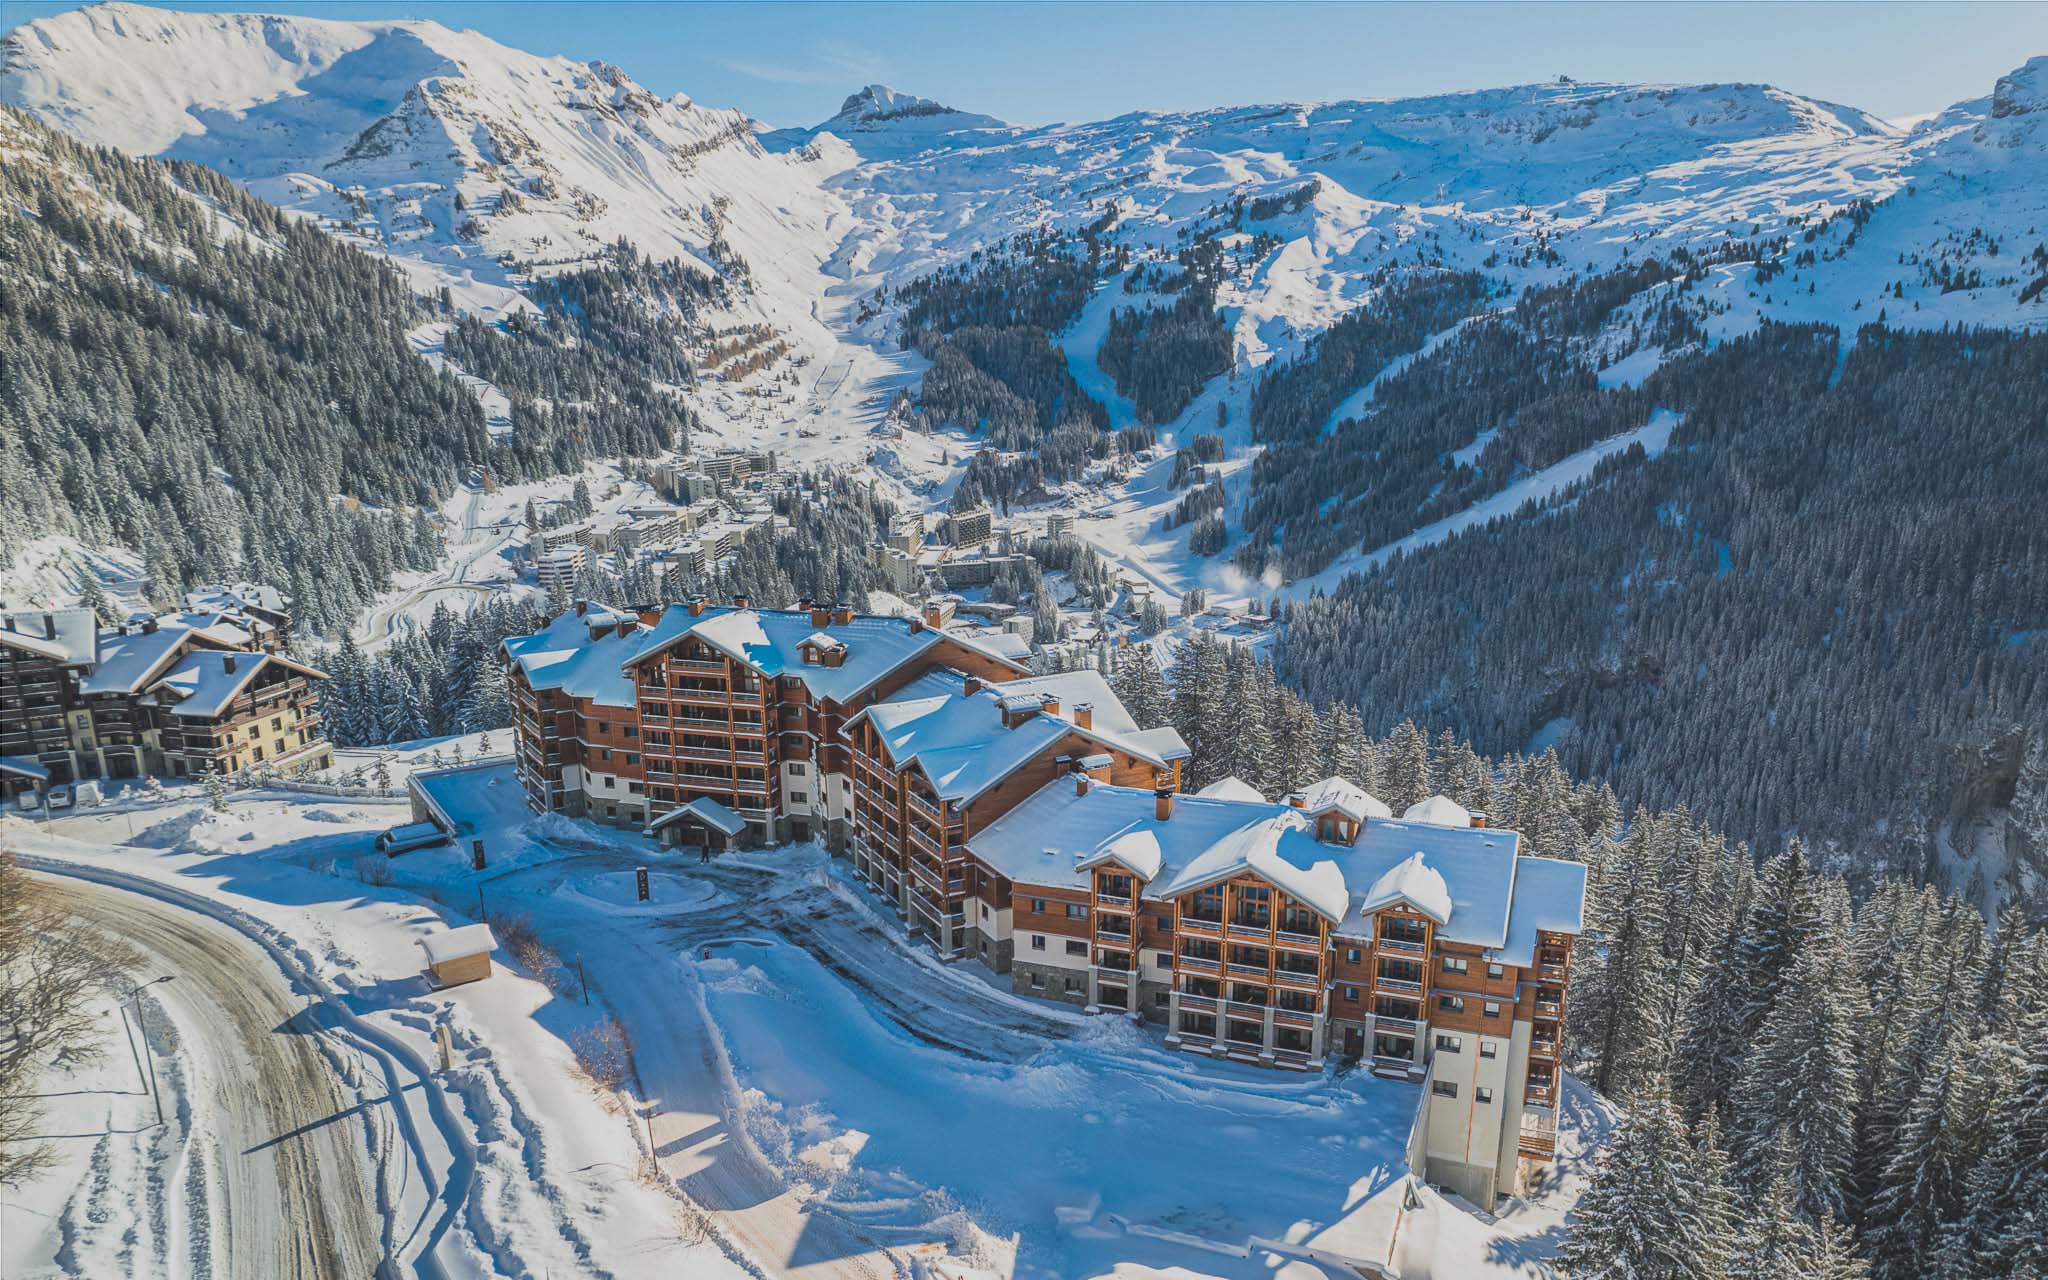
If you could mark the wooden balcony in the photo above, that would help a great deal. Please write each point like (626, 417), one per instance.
(1401, 944)
(1397, 1026)
(1250, 932)
(1247, 970)
(698, 665)
(1298, 941)
(1298, 981)
(1199, 1004)
(1295, 1018)
(1113, 901)
(1549, 1010)
(1204, 928)
(1402, 985)
(1196, 964)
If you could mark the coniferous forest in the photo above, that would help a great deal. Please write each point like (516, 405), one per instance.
(1818, 1083)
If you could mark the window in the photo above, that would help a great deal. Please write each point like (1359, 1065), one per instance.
(1038, 906)
(632, 730)
(1489, 1049)
(1159, 999)
(605, 755)
(1166, 924)
(1495, 971)
(635, 788)
(798, 797)
(984, 911)
(1076, 947)
(610, 782)
(1450, 1044)
(1164, 959)
(1451, 1004)
(1038, 942)
(1353, 955)
(1483, 1094)
(1454, 964)
(1038, 979)
(1072, 985)
(632, 758)
(1491, 1009)
(1075, 911)
(796, 768)
(1351, 995)
(1443, 1088)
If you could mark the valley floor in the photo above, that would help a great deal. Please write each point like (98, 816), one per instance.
(824, 1100)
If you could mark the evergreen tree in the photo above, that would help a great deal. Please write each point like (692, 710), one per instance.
(1404, 768)
(1647, 1212)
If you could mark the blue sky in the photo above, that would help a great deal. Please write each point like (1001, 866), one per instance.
(793, 63)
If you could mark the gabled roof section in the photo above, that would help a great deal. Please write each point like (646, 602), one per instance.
(1413, 883)
(1232, 788)
(707, 811)
(202, 684)
(1549, 897)
(1438, 811)
(68, 636)
(1339, 795)
(1257, 848)
(129, 662)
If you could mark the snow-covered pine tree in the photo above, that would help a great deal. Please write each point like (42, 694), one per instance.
(1140, 688)
(1199, 711)
(216, 793)
(1799, 1080)
(1920, 1191)
(1620, 1012)
(1647, 1212)
(1404, 767)
(2004, 1228)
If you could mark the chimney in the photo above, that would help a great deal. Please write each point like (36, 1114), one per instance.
(1298, 800)
(49, 626)
(1084, 714)
(1049, 703)
(974, 685)
(696, 606)
(1162, 803)
(582, 607)
(820, 615)
(149, 626)
(650, 615)
(1082, 782)
(1479, 820)
(916, 625)
(227, 663)
(842, 614)
(741, 602)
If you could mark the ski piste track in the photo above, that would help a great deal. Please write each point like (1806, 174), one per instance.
(437, 1155)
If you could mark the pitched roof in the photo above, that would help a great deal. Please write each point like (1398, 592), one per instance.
(706, 810)
(1438, 811)
(69, 636)
(1342, 796)
(1469, 879)
(203, 684)
(1232, 788)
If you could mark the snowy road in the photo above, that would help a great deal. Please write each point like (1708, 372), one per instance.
(275, 1163)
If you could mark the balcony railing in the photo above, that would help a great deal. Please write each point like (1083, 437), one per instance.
(1259, 932)
(1551, 969)
(1295, 1017)
(1200, 1004)
(1537, 1092)
(1308, 940)
(1400, 944)
(1196, 964)
(926, 807)
(1543, 1046)
(1113, 973)
(1397, 984)
(1114, 901)
(1386, 1022)
(1550, 1009)
(1247, 970)
(1195, 924)
(1241, 1009)
(1305, 981)
(698, 664)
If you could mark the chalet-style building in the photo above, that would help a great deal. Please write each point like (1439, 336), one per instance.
(1027, 823)
(629, 717)
(177, 695)
(1279, 934)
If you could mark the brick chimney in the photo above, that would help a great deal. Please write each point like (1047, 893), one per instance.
(741, 602)
(1050, 704)
(1162, 803)
(1479, 820)
(650, 615)
(1082, 782)
(1084, 714)
(1298, 800)
(820, 615)
(974, 685)
(842, 614)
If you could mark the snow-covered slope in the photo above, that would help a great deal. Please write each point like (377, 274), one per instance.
(472, 162)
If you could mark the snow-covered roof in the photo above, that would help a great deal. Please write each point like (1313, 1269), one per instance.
(204, 682)
(69, 636)
(1466, 878)
(1550, 895)
(128, 662)
(1438, 810)
(1342, 796)
(1232, 788)
(231, 596)
(1410, 882)
(456, 944)
(706, 810)
(562, 656)
(25, 766)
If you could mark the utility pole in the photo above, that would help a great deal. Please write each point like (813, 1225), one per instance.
(135, 997)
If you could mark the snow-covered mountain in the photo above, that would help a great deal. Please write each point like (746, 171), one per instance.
(472, 162)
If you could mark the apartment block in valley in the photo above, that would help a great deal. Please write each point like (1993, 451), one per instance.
(174, 695)
(1280, 934)
(1028, 824)
(678, 718)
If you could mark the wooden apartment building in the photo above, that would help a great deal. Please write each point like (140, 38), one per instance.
(1028, 824)
(175, 695)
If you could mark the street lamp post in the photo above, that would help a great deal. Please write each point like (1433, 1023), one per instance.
(135, 998)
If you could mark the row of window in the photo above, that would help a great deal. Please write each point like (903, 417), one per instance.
(1449, 1089)
(1456, 1044)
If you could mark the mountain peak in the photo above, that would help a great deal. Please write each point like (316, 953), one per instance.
(2023, 91)
(879, 106)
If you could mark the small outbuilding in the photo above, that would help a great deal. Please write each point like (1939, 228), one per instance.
(703, 823)
(455, 956)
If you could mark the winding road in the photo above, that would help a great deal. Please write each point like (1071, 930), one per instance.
(290, 1192)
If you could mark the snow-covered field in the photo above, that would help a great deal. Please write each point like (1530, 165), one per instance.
(824, 1099)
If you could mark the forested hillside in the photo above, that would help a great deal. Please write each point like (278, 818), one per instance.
(1822, 1085)
(1822, 609)
(187, 372)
